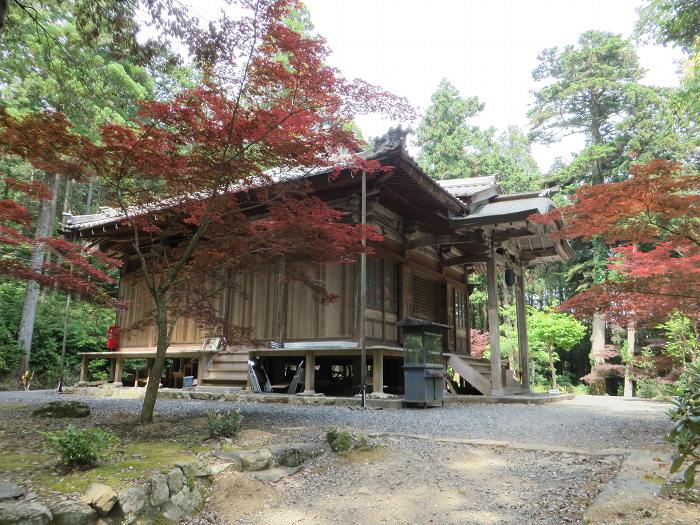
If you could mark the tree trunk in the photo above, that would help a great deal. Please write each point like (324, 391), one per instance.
(551, 366)
(44, 228)
(629, 386)
(156, 370)
(4, 8)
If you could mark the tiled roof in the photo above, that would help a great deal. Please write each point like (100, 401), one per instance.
(469, 186)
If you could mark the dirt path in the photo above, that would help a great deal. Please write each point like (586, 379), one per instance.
(416, 481)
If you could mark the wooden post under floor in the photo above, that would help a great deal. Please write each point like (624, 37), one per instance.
(378, 371)
(118, 369)
(84, 368)
(494, 324)
(202, 365)
(521, 321)
(309, 373)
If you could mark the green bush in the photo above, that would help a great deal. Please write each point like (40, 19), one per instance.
(224, 424)
(649, 388)
(80, 447)
(685, 435)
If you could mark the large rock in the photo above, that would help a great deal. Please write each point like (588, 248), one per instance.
(100, 497)
(176, 480)
(133, 501)
(159, 490)
(23, 512)
(194, 469)
(63, 409)
(179, 505)
(294, 454)
(233, 461)
(10, 490)
(72, 513)
(256, 459)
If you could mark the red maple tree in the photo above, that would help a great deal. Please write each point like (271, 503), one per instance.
(71, 267)
(652, 220)
(186, 176)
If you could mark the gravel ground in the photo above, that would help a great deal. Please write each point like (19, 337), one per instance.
(420, 480)
(585, 422)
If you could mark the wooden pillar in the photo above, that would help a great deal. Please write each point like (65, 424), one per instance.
(309, 373)
(112, 366)
(494, 324)
(202, 365)
(521, 321)
(118, 369)
(378, 371)
(84, 368)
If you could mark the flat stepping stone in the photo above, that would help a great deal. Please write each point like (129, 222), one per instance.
(274, 474)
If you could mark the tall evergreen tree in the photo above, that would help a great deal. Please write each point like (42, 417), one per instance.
(588, 87)
(445, 135)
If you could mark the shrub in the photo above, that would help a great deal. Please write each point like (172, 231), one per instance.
(80, 447)
(224, 424)
(649, 388)
(685, 435)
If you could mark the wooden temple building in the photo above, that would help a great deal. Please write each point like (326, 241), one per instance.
(435, 234)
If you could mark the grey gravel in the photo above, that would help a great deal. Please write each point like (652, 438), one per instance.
(585, 422)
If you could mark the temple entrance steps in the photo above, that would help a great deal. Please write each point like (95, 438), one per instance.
(475, 371)
(227, 369)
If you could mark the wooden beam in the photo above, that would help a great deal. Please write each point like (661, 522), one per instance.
(529, 255)
(506, 235)
(439, 240)
(464, 259)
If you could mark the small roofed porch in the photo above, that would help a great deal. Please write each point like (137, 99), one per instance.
(512, 243)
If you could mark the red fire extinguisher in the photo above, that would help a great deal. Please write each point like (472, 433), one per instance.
(113, 337)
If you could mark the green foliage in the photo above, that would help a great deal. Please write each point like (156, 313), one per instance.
(682, 338)
(80, 447)
(453, 148)
(649, 388)
(671, 22)
(685, 435)
(444, 133)
(87, 331)
(226, 424)
(339, 440)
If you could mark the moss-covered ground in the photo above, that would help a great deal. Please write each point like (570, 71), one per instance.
(139, 450)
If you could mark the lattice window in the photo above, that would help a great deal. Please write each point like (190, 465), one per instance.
(423, 298)
(375, 284)
(460, 310)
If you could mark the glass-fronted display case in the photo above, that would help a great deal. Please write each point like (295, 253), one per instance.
(424, 371)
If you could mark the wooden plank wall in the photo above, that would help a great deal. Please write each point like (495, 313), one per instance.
(139, 304)
(308, 320)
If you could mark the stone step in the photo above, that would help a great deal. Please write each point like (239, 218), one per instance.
(207, 382)
(217, 388)
(226, 374)
(239, 357)
(226, 366)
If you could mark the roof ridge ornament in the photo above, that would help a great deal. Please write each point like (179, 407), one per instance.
(392, 139)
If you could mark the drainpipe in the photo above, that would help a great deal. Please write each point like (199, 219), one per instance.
(363, 291)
